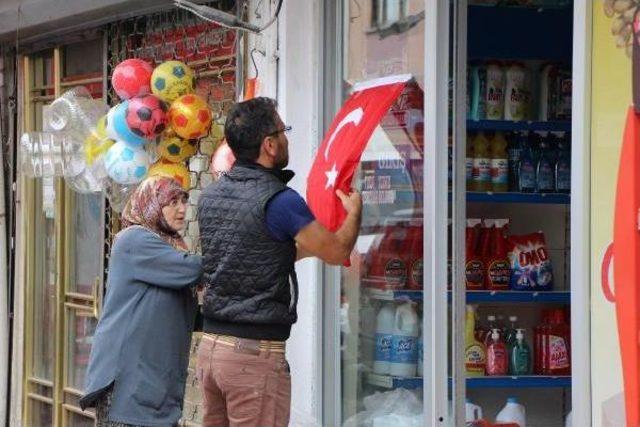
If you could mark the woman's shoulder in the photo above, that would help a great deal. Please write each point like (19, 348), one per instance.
(136, 236)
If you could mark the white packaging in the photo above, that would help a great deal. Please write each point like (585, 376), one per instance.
(516, 95)
(513, 412)
(384, 335)
(495, 92)
(472, 413)
(404, 345)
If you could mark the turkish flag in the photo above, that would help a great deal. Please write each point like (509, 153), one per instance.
(341, 149)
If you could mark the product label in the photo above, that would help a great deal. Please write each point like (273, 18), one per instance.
(499, 171)
(527, 176)
(545, 177)
(499, 272)
(558, 354)
(469, 168)
(474, 274)
(383, 347)
(474, 359)
(395, 272)
(417, 273)
(521, 362)
(404, 349)
(481, 172)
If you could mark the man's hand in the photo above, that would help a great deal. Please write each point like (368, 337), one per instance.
(351, 203)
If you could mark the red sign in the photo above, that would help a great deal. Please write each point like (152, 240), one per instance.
(342, 147)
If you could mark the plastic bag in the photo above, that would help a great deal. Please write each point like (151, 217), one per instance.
(396, 408)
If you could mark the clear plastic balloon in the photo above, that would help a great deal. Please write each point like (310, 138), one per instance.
(151, 147)
(117, 194)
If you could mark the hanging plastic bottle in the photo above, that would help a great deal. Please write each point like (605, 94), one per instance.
(497, 358)
(384, 337)
(520, 355)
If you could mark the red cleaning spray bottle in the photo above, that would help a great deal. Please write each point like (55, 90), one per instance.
(497, 262)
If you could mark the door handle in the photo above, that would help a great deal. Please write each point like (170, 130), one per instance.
(97, 298)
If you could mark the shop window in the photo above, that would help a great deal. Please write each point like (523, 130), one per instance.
(386, 12)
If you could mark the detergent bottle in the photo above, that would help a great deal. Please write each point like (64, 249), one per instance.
(384, 336)
(473, 413)
(404, 344)
(499, 163)
(520, 355)
(526, 168)
(513, 412)
(481, 170)
(557, 345)
(474, 353)
(497, 359)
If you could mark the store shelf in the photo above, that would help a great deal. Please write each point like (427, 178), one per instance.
(533, 381)
(476, 296)
(518, 296)
(535, 198)
(510, 126)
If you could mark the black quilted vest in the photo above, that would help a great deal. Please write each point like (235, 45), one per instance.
(251, 287)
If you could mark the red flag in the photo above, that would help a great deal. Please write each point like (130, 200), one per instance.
(340, 151)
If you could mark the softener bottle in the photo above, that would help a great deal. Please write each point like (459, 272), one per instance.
(520, 355)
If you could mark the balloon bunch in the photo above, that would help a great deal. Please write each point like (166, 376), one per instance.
(158, 105)
(153, 131)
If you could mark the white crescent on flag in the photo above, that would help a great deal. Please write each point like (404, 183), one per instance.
(354, 117)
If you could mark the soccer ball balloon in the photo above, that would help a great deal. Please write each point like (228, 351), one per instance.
(132, 78)
(117, 127)
(126, 164)
(177, 171)
(172, 79)
(190, 117)
(146, 116)
(176, 149)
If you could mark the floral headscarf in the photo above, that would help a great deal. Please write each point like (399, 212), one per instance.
(145, 204)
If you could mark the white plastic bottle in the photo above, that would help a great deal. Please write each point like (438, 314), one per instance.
(472, 413)
(404, 345)
(513, 412)
(384, 335)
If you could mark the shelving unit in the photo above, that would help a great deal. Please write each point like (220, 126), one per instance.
(510, 126)
(535, 198)
(551, 297)
(529, 381)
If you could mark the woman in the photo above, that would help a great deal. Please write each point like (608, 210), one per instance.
(139, 359)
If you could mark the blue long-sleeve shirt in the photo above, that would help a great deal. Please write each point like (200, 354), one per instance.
(141, 344)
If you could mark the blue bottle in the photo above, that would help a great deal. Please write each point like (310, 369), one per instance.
(563, 166)
(545, 170)
(513, 152)
(526, 168)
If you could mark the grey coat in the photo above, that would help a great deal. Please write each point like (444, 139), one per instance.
(141, 343)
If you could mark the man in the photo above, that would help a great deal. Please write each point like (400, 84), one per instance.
(253, 228)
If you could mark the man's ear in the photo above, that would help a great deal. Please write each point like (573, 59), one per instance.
(269, 146)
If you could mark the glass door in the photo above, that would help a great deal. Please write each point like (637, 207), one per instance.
(64, 251)
(387, 346)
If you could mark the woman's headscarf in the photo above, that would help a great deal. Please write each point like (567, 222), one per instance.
(145, 204)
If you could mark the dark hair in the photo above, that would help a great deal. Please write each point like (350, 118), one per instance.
(248, 123)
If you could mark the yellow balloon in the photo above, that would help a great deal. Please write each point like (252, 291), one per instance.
(176, 149)
(177, 171)
(190, 117)
(172, 79)
(95, 147)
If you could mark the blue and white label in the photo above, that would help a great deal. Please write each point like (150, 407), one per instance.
(404, 349)
(383, 347)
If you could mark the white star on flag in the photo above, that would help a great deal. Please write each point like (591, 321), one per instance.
(332, 175)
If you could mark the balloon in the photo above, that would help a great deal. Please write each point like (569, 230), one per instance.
(177, 171)
(146, 116)
(190, 117)
(117, 194)
(95, 147)
(117, 127)
(175, 149)
(132, 77)
(172, 79)
(126, 164)
(222, 160)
